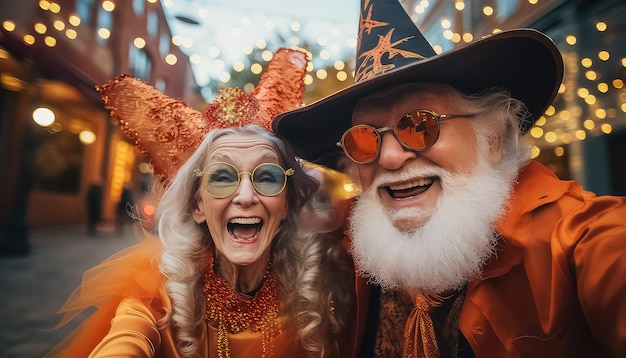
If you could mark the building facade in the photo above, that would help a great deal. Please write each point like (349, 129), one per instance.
(582, 136)
(56, 138)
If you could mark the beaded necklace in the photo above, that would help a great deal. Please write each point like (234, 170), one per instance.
(234, 312)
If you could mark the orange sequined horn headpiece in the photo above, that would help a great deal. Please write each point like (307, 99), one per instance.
(167, 131)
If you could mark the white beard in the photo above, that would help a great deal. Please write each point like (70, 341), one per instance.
(445, 252)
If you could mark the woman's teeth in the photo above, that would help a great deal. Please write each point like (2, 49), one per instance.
(244, 229)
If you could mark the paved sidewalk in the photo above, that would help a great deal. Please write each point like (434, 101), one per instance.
(34, 287)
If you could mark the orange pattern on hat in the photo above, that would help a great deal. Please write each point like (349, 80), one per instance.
(373, 63)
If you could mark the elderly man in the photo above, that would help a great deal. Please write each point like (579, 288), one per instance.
(470, 247)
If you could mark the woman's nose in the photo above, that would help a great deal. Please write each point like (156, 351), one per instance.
(246, 194)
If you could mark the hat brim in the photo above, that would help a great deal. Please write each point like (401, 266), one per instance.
(524, 62)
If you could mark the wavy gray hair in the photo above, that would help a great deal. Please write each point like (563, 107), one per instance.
(311, 270)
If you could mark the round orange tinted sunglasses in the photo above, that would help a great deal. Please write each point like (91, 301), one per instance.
(416, 130)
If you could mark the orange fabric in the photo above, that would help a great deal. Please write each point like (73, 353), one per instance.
(132, 272)
(127, 290)
(419, 332)
(133, 332)
(250, 344)
(557, 287)
(363, 291)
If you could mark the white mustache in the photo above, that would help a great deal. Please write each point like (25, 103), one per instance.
(390, 178)
(444, 253)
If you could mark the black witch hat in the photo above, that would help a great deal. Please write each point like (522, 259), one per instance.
(392, 51)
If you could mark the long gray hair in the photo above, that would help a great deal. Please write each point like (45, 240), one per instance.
(302, 264)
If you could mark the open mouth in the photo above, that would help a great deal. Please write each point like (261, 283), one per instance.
(244, 229)
(409, 189)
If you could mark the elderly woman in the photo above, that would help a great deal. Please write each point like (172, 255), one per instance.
(233, 257)
(230, 274)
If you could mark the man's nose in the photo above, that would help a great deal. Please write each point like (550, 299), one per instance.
(392, 154)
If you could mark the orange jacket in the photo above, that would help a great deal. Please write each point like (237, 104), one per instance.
(557, 287)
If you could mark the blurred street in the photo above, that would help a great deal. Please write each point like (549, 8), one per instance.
(34, 287)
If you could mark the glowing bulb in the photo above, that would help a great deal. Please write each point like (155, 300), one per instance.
(171, 59)
(43, 116)
(87, 137)
(139, 42)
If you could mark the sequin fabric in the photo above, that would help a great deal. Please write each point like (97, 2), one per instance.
(233, 312)
(282, 85)
(420, 340)
(167, 131)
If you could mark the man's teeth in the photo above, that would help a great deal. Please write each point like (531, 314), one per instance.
(245, 221)
(412, 184)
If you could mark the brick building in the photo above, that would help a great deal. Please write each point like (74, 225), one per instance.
(52, 55)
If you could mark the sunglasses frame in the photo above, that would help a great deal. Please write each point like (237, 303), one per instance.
(286, 173)
(380, 131)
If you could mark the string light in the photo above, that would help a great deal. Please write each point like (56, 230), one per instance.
(604, 55)
(559, 151)
(238, 66)
(256, 68)
(104, 33)
(606, 128)
(571, 40)
(44, 5)
(267, 55)
(74, 20)
(171, 59)
(195, 59)
(40, 28)
(29, 39)
(108, 5)
(139, 42)
(50, 41)
(55, 8)
(59, 25)
(71, 34)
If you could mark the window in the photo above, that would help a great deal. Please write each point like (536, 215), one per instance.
(435, 35)
(84, 9)
(58, 160)
(152, 23)
(164, 44)
(138, 7)
(105, 24)
(506, 8)
(160, 85)
(139, 63)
